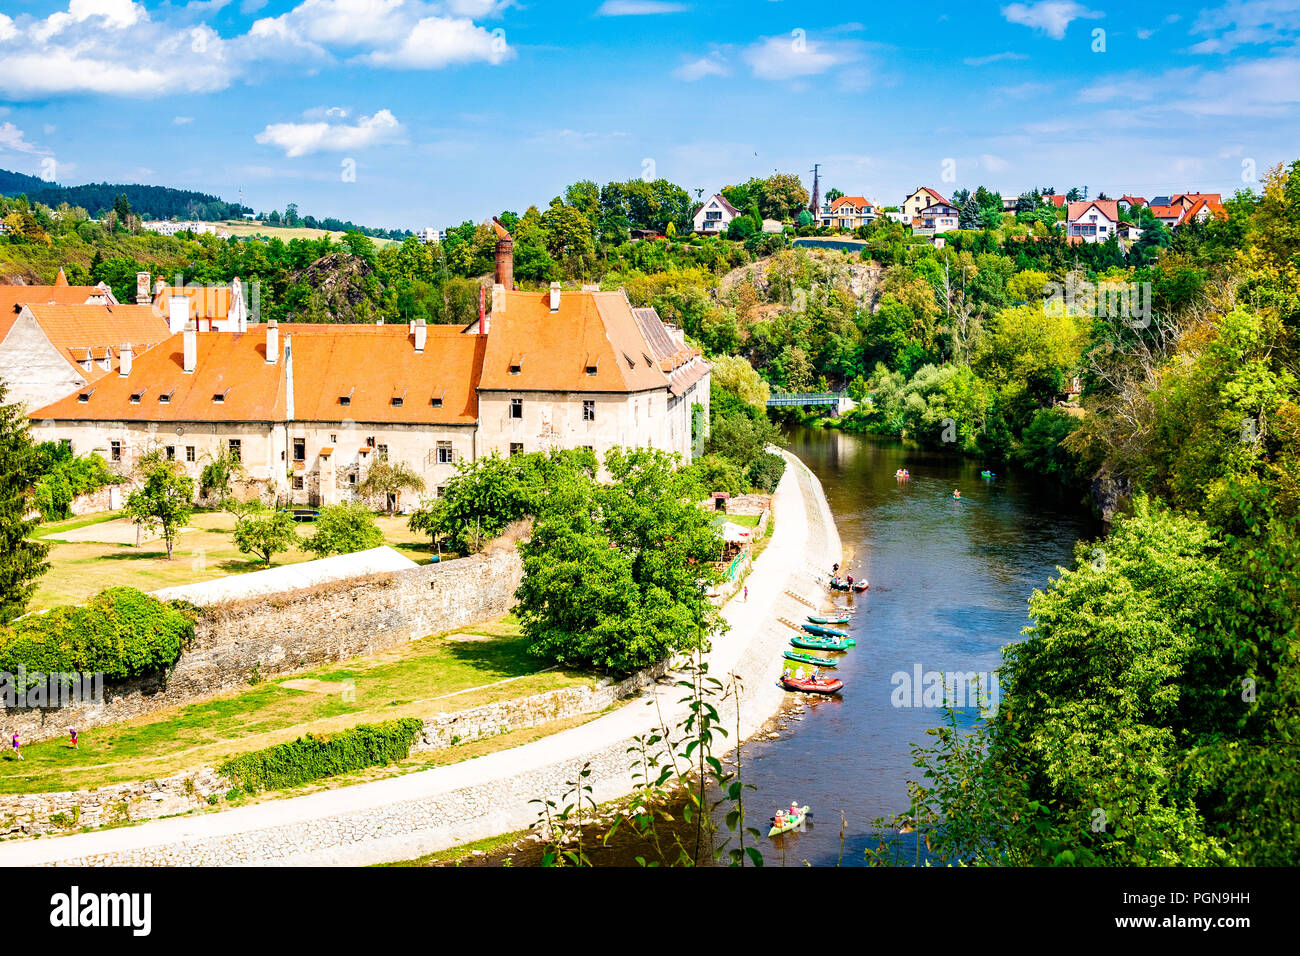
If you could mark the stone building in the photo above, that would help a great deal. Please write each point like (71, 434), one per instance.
(308, 409)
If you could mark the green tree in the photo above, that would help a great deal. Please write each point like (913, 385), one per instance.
(343, 529)
(165, 499)
(388, 480)
(22, 559)
(265, 535)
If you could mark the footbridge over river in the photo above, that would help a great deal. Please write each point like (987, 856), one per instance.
(840, 401)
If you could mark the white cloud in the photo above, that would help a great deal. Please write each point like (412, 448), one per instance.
(301, 139)
(994, 58)
(638, 8)
(699, 68)
(994, 164)
(1050, 16)
(794, 56)
(7, 29)
(1259, 88)
(435, 42)
(12, 138)
(1239, 23)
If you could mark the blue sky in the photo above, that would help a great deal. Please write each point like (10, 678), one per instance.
(446, 110)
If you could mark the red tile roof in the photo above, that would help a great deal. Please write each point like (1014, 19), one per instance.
(856, 201)
(1133, 200)
(72, 329)
(1168, 212)
(552, 351)
(370, 364)
(1107, 207)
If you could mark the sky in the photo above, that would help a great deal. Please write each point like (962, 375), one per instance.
(414, 113)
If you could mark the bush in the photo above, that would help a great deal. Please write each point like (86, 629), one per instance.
(766, 472)
(342, 529)
(315, 756)
(121, 633)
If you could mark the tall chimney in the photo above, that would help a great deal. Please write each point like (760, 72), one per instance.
(142, 296)
(555, 297)
(191, 346)
(421, 330)
(505, 272)
(272, 341)
(178, 313)
(498, 298)
(124, 357)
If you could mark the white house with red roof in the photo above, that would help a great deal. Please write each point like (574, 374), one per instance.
(920, 198)
(1092, 220)
(714, 216)
(847, 213)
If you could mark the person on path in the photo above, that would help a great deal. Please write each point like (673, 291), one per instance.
(747, 593)
(17, 753)
(72, 738)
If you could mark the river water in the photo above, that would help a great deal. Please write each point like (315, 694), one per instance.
(949, 584)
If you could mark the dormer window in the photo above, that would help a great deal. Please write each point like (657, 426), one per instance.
(85, 396)
(436, 401)
(516, 368)
(164, 398)
(397, 401)
(219, 398)
(628, 358)
(136, 396)
(346, 398)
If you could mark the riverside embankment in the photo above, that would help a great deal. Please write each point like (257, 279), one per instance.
(418, 813)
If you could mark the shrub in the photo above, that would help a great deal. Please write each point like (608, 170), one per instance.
(342, 529)
(121, 633)
(766, 471)
(315, 756)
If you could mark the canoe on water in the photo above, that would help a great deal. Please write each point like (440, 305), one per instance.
(861, 586)
(788, 822)
(842, 619)
(806, 685)
(822, 631)
(823, 643)
(812, 659)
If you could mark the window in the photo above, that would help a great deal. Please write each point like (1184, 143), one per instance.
(171, 452)
(515, 369)
(345, 399)
(219, 398)
(591, 370)
(115, 450)
(297, 482)
(517, 408)
(436, 402)
(444, 453)
(300, 449)
(236, 449)
(334, 439)
(136, 396)
(589, 411)
(382, 453)
(352, 478)
(165, 398)
(370, 441)
(65, 444)
(83, 397)
(397, 401)
(441, 491)
(516, 448)
(189, 452)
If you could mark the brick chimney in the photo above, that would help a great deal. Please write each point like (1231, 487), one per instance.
(505, 272)
(142, 296)
(124, 356)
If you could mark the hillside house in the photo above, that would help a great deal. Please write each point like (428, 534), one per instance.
(714, 216)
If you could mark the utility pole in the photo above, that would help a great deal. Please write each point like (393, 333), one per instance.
(814, 206)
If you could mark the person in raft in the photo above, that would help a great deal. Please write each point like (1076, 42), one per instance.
(956, 493)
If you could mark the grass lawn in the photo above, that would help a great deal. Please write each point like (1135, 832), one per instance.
(204, 550)
(246, 227)
(745, 521)
(410, 681)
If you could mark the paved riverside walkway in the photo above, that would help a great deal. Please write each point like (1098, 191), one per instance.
(407, 816)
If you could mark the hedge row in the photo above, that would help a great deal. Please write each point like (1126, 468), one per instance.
(323, 755)
(121, 632)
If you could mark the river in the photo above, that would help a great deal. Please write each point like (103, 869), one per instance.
(949, 584)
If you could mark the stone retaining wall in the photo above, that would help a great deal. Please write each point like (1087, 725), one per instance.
(24, 815)
(238, 643)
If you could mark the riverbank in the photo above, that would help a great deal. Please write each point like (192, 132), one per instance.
(428, 811)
